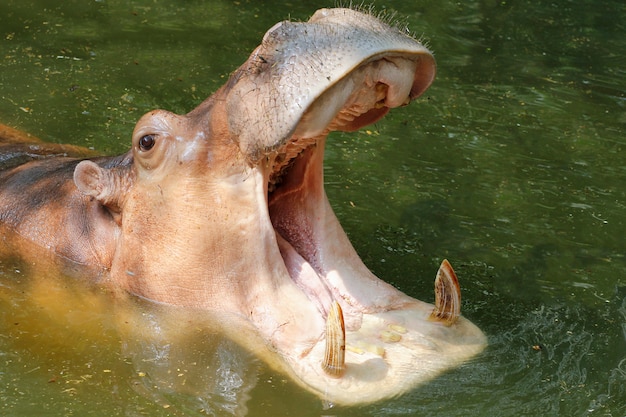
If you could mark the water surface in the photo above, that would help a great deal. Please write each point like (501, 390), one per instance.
(511, 166)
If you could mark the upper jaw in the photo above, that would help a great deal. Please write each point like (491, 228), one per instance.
(302, 74)
(361, 98)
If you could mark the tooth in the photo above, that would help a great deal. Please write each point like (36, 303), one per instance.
(375, 349)
(362, 347)
(390, 337)
(397, 328)
(447, 295)
(334, 363)
(355, 349)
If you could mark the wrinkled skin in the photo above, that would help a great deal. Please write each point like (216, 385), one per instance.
(224, 209)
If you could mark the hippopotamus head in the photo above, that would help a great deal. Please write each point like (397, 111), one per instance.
(224, 209)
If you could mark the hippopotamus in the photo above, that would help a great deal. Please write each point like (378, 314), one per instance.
(223, 209)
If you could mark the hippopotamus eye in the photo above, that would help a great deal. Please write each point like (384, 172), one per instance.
(146, 142)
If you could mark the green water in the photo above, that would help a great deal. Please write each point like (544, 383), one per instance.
(511, 166)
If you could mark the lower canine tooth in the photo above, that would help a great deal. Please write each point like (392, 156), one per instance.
(334, 363)
(447, 295)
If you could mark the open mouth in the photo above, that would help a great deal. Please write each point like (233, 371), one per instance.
(297, 202)
(299, 210)
(316, 252)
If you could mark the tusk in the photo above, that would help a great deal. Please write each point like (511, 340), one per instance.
(334, 363)
(447, 295)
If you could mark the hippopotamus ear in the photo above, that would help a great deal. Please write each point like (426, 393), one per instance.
(99, 183)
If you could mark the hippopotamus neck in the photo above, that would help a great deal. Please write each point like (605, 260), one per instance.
(58, 216)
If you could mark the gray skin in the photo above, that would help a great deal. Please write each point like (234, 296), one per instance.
(224, 209)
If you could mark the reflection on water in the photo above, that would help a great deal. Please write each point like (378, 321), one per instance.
(67, 340)
(511, 166)
(196, 370)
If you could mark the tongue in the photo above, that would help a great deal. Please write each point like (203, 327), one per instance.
(305, 277)
(316, 286)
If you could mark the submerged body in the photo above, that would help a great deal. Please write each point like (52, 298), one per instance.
(224, 209)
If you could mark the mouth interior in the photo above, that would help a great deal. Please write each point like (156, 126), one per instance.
(298, 207)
